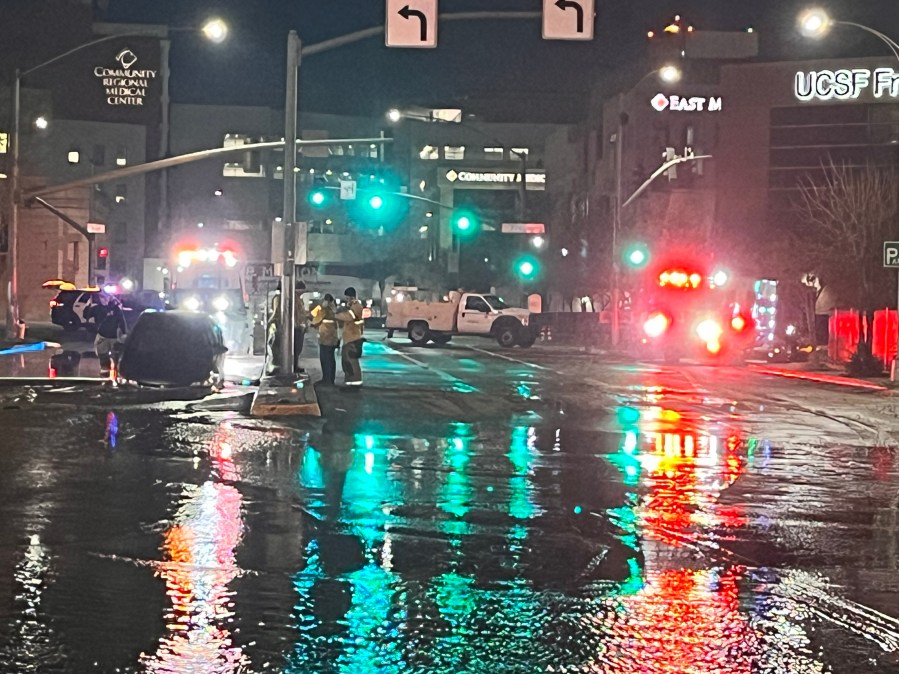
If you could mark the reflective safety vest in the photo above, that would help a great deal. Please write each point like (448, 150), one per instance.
(350, 317)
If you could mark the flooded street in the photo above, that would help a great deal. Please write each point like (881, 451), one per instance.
(463, 513)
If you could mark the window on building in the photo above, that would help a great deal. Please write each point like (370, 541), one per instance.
(494, 153)
(4, 142)
(429, 152)
(74, 156)
(519, 151)
(121, 158)
(121, 193)
(98, 157)
(454, 152)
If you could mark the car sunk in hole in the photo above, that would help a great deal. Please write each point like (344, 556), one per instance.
(173, 348)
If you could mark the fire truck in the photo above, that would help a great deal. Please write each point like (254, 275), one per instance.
(210, 279)
(691, 311)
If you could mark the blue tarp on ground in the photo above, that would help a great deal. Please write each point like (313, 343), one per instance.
(23, 348)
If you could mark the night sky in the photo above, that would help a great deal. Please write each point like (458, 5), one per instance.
(471, 61)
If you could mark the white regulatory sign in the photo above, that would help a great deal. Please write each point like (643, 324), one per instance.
(411, 23)
(347, 190)
(568, 19)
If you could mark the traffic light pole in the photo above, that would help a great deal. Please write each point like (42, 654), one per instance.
(289, 269)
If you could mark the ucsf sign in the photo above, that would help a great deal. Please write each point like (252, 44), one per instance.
(845, 85)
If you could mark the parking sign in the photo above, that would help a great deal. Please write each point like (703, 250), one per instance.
(891, 254)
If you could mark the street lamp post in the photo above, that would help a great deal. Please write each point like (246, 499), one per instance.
(668, 74)
(215, 30)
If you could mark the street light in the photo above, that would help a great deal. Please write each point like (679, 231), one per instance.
(41, 123)
(815, 23)
(670, 74)
(394, 115)
(215, 30)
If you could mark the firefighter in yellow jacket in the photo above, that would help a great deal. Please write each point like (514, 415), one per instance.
(350, 317)
(324, 319)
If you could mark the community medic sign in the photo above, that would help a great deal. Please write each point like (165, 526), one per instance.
(845, 85)
(124, 84)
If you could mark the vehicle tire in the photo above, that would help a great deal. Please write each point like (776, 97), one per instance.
(527, 338)
(390, 334)
(419, 334)
(440, 338)
(507, 335)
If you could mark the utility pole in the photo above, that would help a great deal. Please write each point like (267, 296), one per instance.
(289, 215)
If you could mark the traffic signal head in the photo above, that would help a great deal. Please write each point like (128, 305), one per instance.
(527, 268)
(318, 197)
(465, 224)
(376, 202)
(636, 256)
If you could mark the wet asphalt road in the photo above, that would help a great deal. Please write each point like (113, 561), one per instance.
(471, 510)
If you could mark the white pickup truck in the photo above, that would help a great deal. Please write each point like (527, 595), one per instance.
(464, 314)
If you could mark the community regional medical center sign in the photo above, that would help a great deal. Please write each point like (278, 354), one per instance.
(125, 84)
(846, 85)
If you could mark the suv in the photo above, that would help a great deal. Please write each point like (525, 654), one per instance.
(68, 307)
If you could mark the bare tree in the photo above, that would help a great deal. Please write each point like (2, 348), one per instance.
(847, 215)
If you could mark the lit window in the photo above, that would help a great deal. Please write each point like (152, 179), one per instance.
(121, 193)
(495, 153)
(454, 152)
(429, 152)
(519, 151)
(121, 158)
(4, 142)
(74, 156)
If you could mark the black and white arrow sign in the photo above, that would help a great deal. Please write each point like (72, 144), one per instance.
(568, 19)
(411, 23)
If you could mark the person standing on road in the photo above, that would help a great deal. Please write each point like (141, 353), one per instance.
(109, 318)
(325, 320)
(350, 317)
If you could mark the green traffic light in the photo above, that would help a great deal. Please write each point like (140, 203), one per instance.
(636, 256)
(317, 198)
(465, 224)
(527, 268)
(376, 202)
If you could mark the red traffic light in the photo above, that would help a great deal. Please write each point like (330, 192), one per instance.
(103, 252)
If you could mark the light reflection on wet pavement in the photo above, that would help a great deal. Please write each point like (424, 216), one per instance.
(648, 538)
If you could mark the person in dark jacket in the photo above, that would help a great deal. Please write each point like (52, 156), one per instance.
(109, 318)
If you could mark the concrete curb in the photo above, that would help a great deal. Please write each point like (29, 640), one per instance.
(285, 395)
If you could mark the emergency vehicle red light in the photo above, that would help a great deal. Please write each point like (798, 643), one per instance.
(678, 278)
(738, 323)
